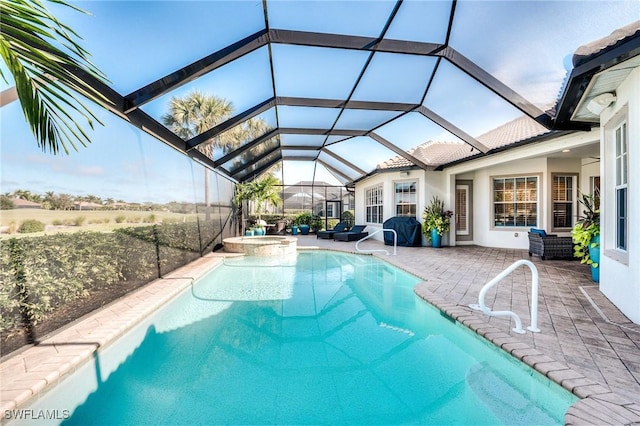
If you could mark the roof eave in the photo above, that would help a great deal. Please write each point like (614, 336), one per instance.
(552, 134)
(581, 76)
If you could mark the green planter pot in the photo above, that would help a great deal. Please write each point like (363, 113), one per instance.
(304, 229)
(294, 230)
(248, 233)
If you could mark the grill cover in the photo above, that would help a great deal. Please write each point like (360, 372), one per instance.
(409, 231)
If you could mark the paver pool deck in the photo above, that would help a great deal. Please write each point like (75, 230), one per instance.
(586, 344)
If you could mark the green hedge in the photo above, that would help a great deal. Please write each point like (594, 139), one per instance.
(41, 274)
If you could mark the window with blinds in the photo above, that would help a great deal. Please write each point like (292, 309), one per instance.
(406, 198)
(515, 201)
(374, 204)
(462, 210)
(564, 194)
(622, 166)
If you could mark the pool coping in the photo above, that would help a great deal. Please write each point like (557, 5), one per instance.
(27, 374)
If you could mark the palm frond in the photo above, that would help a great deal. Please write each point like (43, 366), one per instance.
(45, 59)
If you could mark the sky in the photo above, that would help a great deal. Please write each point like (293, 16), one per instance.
(526, 45)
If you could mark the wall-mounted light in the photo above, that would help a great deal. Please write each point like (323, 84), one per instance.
(566, 150)
(600, 102)
(405, 173)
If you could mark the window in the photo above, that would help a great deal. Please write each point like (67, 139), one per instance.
(406, 199)
(373, 204)
(515, 201)
(594, 186)
(564, 195)
(621, 185)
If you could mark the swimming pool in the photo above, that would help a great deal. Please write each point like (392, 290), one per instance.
(324, 338)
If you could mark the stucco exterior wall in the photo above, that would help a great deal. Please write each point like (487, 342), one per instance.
(620, 271)
(429, 183)
(529, 160)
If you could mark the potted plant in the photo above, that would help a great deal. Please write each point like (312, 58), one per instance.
(436, 221)
(259, 229)
(586, 235)
(259, 192)
(304, 221)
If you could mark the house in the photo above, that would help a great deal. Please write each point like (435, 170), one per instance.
(21, 203)
(320, 197)
(87, 205)
(532, 176)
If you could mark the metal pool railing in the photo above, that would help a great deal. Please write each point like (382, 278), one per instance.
(534, 297)
(395, 242)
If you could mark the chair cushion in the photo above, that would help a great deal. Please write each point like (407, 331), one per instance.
(540, 232)
(341, 226)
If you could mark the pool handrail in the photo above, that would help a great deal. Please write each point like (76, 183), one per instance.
(395, 242)
(534, 297)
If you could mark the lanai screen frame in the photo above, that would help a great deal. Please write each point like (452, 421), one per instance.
(129, 106)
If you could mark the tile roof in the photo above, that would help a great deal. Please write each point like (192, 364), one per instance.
(22, 203)
(436, 153)
(587, 51)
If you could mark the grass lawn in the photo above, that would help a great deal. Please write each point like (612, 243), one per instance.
(79, 220)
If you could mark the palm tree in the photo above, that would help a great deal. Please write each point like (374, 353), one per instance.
(264, 191)
(194, 114)
(259, 192)
(44, 57)
(49, 200)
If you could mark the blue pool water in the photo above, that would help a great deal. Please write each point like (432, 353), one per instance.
(329, 338)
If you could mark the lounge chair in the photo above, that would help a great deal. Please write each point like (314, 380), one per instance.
(279, 228)
(329, 233)
(354, 234)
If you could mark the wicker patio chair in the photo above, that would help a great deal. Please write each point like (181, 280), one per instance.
(550, 245)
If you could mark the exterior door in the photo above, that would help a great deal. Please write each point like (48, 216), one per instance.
(463, 210)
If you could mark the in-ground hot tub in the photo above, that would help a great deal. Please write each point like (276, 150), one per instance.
(261, 246)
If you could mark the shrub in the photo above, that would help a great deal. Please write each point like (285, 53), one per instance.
(41, 275)
(6, 203)
(56, 222)
(31, 225)
(150, 219)
(78, 221)
(120, 219)
(98, 221)
(348, 217)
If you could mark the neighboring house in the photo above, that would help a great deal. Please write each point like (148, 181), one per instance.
(321, 198)
(532, 176)
(87, 205)
(20, 203)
